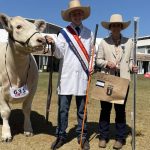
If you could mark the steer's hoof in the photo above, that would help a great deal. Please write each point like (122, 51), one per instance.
(28, 134)
(7, 140)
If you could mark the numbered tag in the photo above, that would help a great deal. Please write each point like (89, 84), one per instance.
(19, 92)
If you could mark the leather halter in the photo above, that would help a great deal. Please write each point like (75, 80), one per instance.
(25, 44)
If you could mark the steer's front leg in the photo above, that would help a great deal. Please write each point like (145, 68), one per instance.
(5, 113)
(28, 131)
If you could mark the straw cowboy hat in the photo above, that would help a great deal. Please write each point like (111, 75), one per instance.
(115, 18)
(75, 5)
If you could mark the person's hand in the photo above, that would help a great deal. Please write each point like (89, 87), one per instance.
(111, 65)
(49, 40)
(135, 69)
(91, 71)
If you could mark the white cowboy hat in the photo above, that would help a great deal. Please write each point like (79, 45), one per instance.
(75, 5)
(115, 18)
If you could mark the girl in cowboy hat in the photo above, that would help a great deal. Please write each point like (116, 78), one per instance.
(114, 56)
(73, 48)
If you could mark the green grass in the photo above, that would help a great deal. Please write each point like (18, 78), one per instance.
(45, 133)
(142, 110)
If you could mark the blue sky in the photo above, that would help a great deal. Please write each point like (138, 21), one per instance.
(100, 11)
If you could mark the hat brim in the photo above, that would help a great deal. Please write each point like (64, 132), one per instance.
(106, 25)
(66, 13)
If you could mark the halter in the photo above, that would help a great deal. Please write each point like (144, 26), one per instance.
(25, 44)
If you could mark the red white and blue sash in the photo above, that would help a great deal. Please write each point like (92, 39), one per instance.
(77, 47)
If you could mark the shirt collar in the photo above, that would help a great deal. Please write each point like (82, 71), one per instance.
(74, 26)
(118, 41)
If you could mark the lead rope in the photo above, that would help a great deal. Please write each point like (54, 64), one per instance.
(6, 67)
(49, 94)
(7, 70)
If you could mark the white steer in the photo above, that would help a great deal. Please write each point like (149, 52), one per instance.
(18, 69)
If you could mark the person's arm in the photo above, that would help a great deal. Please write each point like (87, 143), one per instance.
(60, 47)
(131, 57)
(100, 57)
(133, 67)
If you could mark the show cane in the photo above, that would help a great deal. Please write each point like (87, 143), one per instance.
(88, 85)
(133, 114)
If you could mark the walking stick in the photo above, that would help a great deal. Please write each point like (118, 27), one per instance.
(134, 86)
(49, 95)
(88, 85)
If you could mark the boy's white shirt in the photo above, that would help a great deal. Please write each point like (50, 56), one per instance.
(72, 78)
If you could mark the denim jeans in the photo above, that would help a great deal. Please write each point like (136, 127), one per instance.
(64, 102)
(120, 120)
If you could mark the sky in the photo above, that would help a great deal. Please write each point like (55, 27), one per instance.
(101, 10)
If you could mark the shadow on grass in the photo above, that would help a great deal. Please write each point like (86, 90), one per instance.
(38, 121)
(41, 127)
(72, 132)
(93, 131)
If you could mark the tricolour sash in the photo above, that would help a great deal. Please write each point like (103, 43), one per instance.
(77, 47)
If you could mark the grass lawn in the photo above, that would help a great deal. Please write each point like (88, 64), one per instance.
(45, 133)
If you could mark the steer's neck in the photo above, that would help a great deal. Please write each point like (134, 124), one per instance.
(17, 64)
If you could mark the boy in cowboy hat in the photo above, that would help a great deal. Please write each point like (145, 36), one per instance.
(73, 48)
(114, 56)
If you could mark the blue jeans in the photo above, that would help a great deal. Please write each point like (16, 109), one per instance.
(64, 102)
(120, 121)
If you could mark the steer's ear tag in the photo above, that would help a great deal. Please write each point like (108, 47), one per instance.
(19, 92)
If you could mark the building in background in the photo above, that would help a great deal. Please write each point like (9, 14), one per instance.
(143, 54)
(43, 60)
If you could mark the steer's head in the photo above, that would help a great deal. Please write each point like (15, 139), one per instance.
(23, 33)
